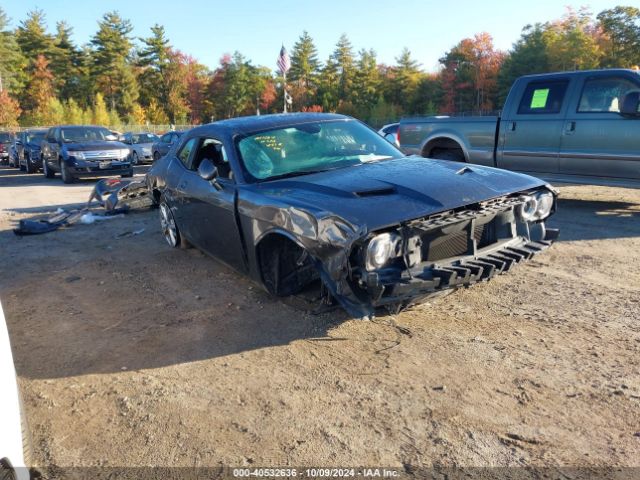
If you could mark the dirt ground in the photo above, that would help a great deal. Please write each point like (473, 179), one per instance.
(131, 353)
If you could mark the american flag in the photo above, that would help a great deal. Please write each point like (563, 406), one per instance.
(284, 62)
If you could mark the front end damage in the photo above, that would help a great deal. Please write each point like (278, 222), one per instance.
(426, 256)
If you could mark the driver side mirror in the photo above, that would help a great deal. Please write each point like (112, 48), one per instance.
(209, 172)
(630, 105)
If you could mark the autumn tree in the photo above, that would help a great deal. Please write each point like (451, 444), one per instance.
(621, 26)
(9, 110)
(39, 93)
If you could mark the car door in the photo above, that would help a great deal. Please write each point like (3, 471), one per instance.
(209, 213)
(597, 140)
(530, 131)
(50, 148)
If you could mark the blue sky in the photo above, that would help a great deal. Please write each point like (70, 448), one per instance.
(208, 29)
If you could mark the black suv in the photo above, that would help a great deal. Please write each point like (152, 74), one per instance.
(84, 151)
(28, 145)
(6, 139)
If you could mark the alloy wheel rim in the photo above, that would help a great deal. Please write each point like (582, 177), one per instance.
(168, 225)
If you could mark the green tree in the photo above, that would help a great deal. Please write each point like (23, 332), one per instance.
(12, 62)
(329, 86)
(343, 58)
(305, 68)
(111, 70)
(528, 56)
(66, 63)
(153, 60)
(405, 78)
(32, 36)
(621, 25)
(366, 84)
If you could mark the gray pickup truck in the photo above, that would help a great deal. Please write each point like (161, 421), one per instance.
(569, 127)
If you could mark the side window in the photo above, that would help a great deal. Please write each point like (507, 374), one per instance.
(185, 151)
(543, 97)
(605, 94)
(213, 150)
(165, 138)
(51, 137)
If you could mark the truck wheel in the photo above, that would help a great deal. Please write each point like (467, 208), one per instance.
(453, 155)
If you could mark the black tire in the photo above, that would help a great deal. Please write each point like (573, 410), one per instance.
(156, 156)
(134, 158)
(450, 154)
(129, 174)
(21, 167)
(46, 171)
(170, 229)
(65, 174)
(28, 166)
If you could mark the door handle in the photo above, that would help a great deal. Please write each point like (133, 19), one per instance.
(570, 128)
(182, 185)
(513, 126)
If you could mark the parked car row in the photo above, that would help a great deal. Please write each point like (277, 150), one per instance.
(76, 151)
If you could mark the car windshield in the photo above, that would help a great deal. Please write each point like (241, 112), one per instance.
(144, 138)
(36, 137)
(5, 137)
(85, 134)
(312, 147)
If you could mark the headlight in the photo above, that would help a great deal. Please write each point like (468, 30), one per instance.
(124, 152)
(536, 207)
(381, 249)
(76, 155)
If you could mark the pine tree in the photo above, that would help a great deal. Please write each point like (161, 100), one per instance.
(329, 86)
(366, 84)
(32, 36)
(66, 63)
(343, 58)
(12, 62)
(111, 70)
(305, 68)
(153, 60)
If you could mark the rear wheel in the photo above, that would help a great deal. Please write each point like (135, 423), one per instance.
(170, 228)
(451, 154)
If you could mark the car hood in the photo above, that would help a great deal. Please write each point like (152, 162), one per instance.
(143, 145)
(380, 194)
(97, 145)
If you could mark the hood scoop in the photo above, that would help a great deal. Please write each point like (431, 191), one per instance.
(376, 192)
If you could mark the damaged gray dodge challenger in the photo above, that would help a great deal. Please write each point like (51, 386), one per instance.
(296, 200)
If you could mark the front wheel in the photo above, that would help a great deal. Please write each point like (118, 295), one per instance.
(453, 155)
(170, 229)
(134, 158)
(28, 166)
(46, 171)
(64, 173)
(156, 156)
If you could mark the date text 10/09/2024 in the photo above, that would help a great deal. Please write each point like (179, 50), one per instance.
(315, 472)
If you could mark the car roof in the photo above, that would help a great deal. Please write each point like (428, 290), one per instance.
(257, 123)
(582, 72)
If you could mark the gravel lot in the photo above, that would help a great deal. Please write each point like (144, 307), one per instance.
(131, 353)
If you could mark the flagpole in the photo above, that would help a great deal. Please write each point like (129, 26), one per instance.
(284, 91)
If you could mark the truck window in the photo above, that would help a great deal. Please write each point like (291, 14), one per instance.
(604, 94)
(543, 97)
